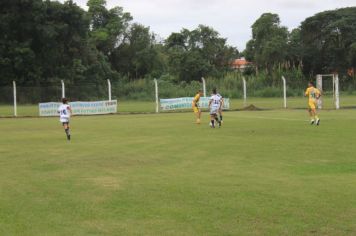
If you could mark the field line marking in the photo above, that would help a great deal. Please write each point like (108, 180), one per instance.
(271, 118)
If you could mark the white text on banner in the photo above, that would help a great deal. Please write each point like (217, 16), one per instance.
(186, 103)
(80, 108)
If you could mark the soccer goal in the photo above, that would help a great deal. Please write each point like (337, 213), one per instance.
(335, 88)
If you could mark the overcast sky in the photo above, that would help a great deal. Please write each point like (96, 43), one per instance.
(231, 18)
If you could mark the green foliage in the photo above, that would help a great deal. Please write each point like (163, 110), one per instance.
(138, 54)
(43, 42)
(295, 48)
(198, 53)
(351, 57)
(229, 85)
(328, 39)
(268, 43)
(106, 26)
(324, 43)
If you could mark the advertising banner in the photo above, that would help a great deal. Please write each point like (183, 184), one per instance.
(80, 108)
(186, 103)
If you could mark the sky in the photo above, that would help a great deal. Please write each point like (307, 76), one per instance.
(231, 18)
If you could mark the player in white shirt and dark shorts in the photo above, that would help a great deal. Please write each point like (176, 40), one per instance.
(215, 103)
(65, 112)
(221, 108)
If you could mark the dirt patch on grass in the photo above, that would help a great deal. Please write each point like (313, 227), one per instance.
(251, 107)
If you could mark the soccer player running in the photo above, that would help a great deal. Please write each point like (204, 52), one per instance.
(215, 106)
(195, 106)
(65, 112)
(313, 96)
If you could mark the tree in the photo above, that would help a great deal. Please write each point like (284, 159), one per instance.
(18, 26)
(268, 43)
(328, 39)
(295, 49)
(197, 53)
(137, 55)
(107, 26)
(44, 42)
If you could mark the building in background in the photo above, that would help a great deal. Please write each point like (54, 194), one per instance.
(241, 64)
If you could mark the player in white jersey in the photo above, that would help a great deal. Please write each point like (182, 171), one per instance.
(215, 106)
(221, 108)
(65, 112)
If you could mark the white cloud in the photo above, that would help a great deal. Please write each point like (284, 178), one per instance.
(232, 18)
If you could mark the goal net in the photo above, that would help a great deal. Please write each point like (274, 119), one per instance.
(329, 86)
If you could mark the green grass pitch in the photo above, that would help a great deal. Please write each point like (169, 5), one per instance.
(262, 173)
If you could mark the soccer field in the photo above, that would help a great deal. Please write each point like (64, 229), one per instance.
(262, 173)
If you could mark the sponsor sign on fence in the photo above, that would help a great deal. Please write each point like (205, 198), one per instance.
(80, 108)
(186, 103)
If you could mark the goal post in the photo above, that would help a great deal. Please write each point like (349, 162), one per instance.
(336, 93)
(319, 85)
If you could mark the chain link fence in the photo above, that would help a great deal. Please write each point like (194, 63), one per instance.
(139, 95)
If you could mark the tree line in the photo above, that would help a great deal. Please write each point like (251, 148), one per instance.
(42, 42)
(323, 43)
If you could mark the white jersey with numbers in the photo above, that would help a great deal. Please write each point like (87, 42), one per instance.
(215, 103)
(221, 101)
(64, 113)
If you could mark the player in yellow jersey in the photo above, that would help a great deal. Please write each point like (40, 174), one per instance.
(313, 95)
(195, 105)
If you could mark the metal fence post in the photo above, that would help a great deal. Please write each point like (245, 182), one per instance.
(109, 89)
(244, 90)
(284, 92)
(337, 95)
(15, 98)
(63, 89)
(156, 94)
(204, 86)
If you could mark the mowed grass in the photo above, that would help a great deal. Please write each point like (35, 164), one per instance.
(262, 173)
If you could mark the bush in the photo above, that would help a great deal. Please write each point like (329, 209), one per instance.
(269, 92)
(230, 85)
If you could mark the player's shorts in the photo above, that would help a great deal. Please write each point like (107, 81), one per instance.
(214, 110)
(64, 121)
(195, 109)
(312, 105)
